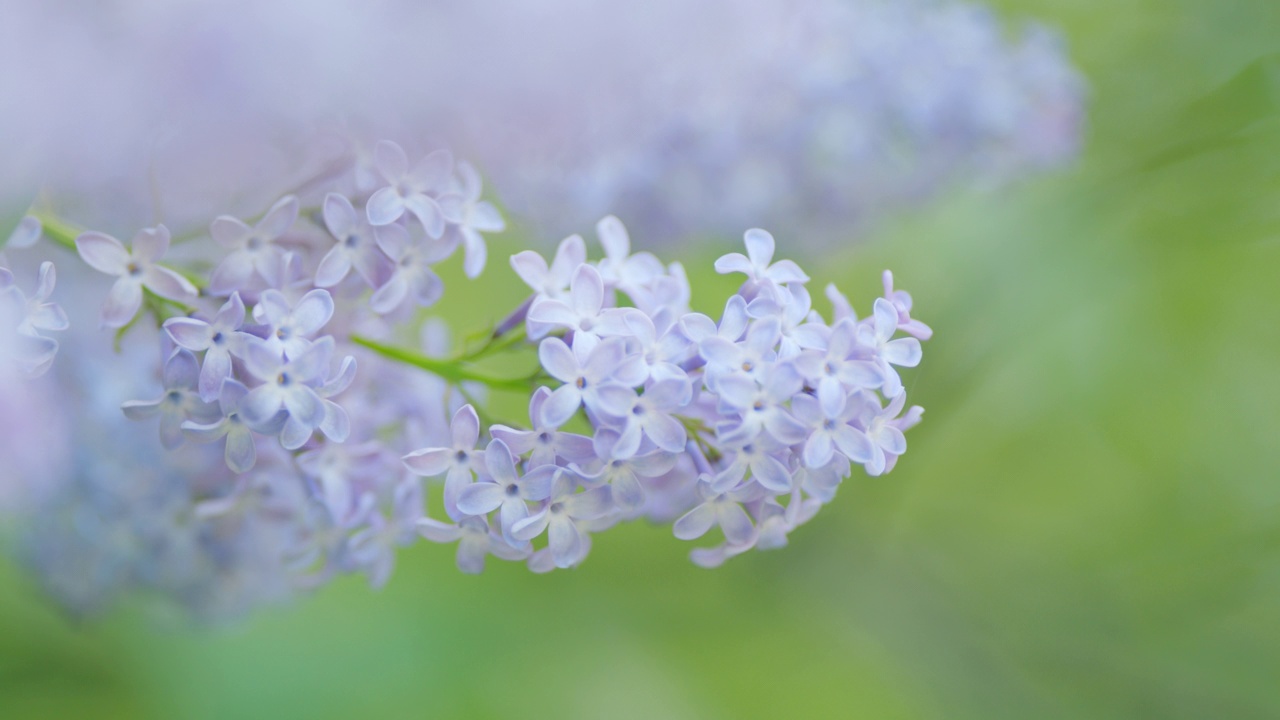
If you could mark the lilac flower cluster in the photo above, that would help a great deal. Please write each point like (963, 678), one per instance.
(749, 423)
(301, 398)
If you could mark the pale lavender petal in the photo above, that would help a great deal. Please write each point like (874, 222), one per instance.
(695, 523)
(429, 462)
(216, 367)
(228, 232)
(760, 247)
(480, 498)
(122, 303)
(904, 352)
(561, 405)
(854, 444)
(280, 217)
(734, 263)
(241, 454)
(587, 291)
(771, 473)
(552, 312)
(558, 360)
(333, 267)
(818, 450)
(313, 311)
(391, 161)
(150, 244)
(427, 211)
(735, 523)
(103, 253)
(169, 284)
(531, 267)
(339, 216)
(666, 433)
(390, 296)
(26, 234)
(385, 207)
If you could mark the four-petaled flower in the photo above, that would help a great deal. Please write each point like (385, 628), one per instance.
(134, 269)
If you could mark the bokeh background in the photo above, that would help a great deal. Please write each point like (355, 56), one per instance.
(1087, 525)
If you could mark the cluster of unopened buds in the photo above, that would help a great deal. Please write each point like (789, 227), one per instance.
(295, 341)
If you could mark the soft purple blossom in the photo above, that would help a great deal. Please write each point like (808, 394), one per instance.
(135, 268)
(219, 339)
(179, 403)
(251, 250)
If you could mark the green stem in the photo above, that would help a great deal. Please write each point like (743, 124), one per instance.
(58, 230)
(452, 371)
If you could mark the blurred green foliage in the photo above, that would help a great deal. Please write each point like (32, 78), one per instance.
(1087, 525)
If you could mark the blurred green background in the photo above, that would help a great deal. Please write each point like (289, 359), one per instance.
(1087, 525)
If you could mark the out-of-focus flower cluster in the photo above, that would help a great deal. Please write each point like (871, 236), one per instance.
(265, 372)
(683, 119)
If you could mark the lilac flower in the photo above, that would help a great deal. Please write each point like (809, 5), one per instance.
(21, 321)
(661, 349)
(218, 339)
(877, 336)
(251, 249)
(288, 384)
(622, 473)
(886, 438)
(619, 268)
(583, 313)
(719, 508)
(831, 431)
(761, 457)
(758, 263)
(562, 517)
(551, 281)
(135, 269)
(584, 369)
(457, 462)
(544, 443)
(473, 217)
(901, 300)
(180, 401)
(373, 547)
(733, 323)
(800, 330)
(356, 245)
(763, 407)
(750, 357)
(503, 489)
(647, 415)
(416, 190)
(412, 276)
(836, 372)
(475, 541)
(240, 451)
(291, 326)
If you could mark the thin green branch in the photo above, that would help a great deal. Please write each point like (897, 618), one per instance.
(451, 371)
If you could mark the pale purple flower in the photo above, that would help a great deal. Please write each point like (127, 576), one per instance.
(290, 326)
(733, 323)
(584, 312)
(883, 429)
(415, 190)
(719, 508)
(544, 443)
(22, 319)
(288, 384)
(623, 473)
(799, 328)
(662, 348)
(475, 541)
(876, 333)
(502, 488)
(831, 431)
(749, 358)
(551, 281)
(457, 462)
(180, 400)
(411, 276)
(134, 269)
(219, 339)
(240, 451)
(251, 249)
(762, 406)
(763, 457)
(758, 263)
(901, 300)
(474, 216)
(837, 371)
(356, 246)
(647, 415)
(620, 269)
(562, 517)
(583, 369)
(373, 547)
